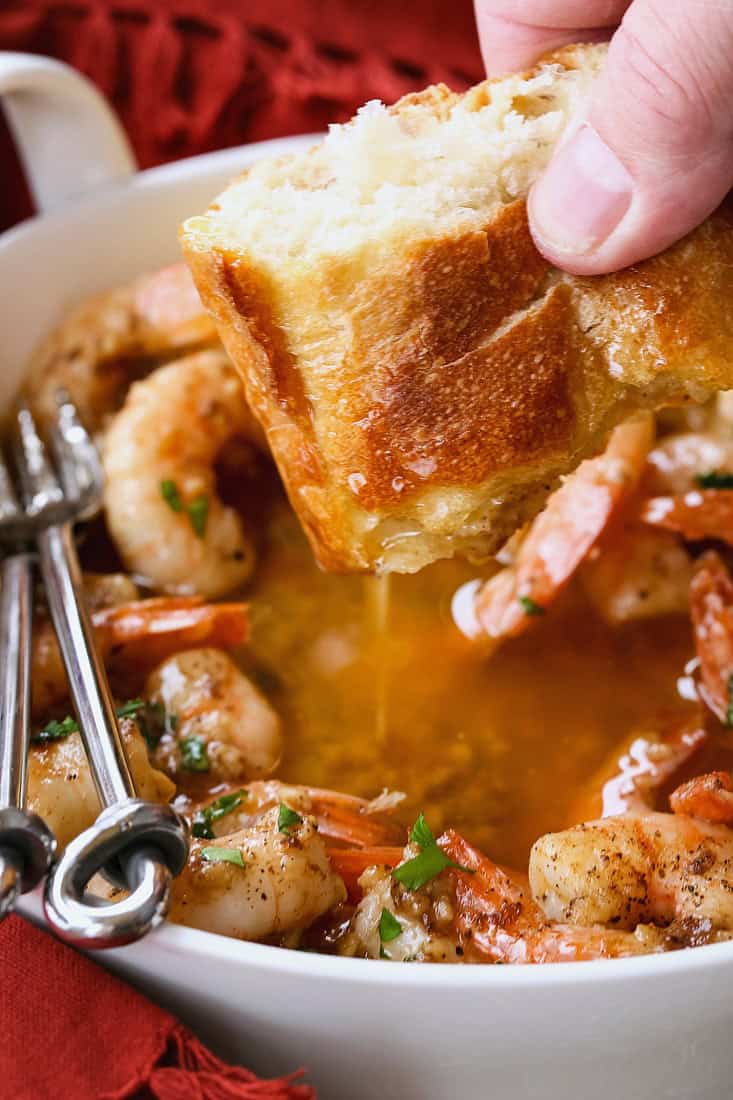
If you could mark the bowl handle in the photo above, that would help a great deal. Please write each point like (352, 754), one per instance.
(69, 139)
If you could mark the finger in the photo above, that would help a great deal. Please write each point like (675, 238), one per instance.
(516, 33)
(655, 154)
(512, 47)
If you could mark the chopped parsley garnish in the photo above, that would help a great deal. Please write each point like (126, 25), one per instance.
(55, 730)
(715, 479)
(729, 711)
(421, 833)
(429, 862)
(130, 709)
(529, 606)
(198, 513)
(389, 926)
(152, 719)
(134, 708)
(287, 819)
(223, 855)
(170, 494)
(204, 819)
(194, 756)
(424, 867)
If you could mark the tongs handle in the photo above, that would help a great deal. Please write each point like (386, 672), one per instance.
(136, 845)
(27, 846)
(16, 611)
(84, 669)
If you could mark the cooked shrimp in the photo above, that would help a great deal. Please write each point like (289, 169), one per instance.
(562, 535)
(711, 604)
(623, 871)
(676, 462)
(60, 785)
(357, 833)
(171, 315)
(114, 338)
(139, 635)
(342, 819)
(698, 514)
(238, 733)
(676, 482)
(634, 778)
(258, 883)
(482, 913)
(637, 573)
(426, 919)
(709, 797)
(161, 501)
(109, 590)
(498, 917)
(357, 866)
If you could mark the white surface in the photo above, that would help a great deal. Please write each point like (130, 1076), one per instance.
(655, 1028)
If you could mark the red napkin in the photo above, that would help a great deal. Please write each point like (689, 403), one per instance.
(71, 1031)
(187, 76)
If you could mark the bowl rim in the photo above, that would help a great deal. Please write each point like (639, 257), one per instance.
(223, 949)
(177, 939)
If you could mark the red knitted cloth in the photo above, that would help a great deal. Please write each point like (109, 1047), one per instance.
(187, 76)
(70, 1031)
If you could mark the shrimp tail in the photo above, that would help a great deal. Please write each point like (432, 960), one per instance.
(711, 608)
(699, 514)
(348, 820)
(497, 917)
(708, 797)
(495, 912)
(561, 536)
(351, 863)
(136, 636)
(633, 780)
(163, 625)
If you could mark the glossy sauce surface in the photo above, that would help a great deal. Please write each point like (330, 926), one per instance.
(376, 695)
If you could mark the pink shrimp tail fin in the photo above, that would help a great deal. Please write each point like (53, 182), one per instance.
(700, 514)
(351, 863)
(708, 797)
(495, 913)
(160, 626)
(497, 918)
(711, 609)
(562, 535)
(353, 821)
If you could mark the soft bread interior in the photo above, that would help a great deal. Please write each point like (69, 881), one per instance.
(435, 164)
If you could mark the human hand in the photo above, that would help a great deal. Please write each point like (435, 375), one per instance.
(654, 154)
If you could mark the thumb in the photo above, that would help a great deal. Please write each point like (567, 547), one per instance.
(654, 155)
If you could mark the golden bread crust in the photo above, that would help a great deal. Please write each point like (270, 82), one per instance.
(446, 383)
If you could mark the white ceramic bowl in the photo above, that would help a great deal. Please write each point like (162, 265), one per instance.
(655, 1028)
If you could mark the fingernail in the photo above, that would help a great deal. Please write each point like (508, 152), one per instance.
(582, 196)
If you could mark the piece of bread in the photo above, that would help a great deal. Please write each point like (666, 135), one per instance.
(423, 375)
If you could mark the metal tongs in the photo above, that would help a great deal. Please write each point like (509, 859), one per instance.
(137, 846)
(27, 845)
